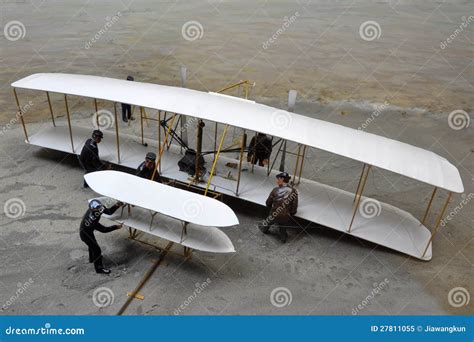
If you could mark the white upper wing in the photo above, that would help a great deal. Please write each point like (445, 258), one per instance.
(372, 149)
(167, 200)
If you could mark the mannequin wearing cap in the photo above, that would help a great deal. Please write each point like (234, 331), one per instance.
(145, 169)
(90, 223)
(90, 154)
(283, 204)
(126, 108)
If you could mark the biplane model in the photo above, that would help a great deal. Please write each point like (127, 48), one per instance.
(329, 206)
(170, 213)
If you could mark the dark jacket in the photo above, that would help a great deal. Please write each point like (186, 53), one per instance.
(261, 147)
(144, 172)
(90, 221)
(283, 202)
(90, 156)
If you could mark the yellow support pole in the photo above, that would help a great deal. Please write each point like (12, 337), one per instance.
(215, 139)
(297, 163)
(146, 117)
(302, 164)
(159, 133)
(233, 86)
(141, 123)
(429, 205)
(241, 157)
(159, 127)
(117, 132)
(359, 196)
(69, 122)
(216, 158)
(360, 180)
(20, 113)
(438, 222)
(50, 108)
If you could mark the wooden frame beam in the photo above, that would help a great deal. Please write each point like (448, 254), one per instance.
(20, 113)
(358, 184)
(216, 158)
(281, 141)
(429, 205)
(96, 113)
(302, 163)
(162, 148)
(438, 223)
(117, 132)
(141, 124)
(50, 108)
(360, 190)
(197, 171)
(147, 276)
(243, 144)
(69, 122)
(297, 164)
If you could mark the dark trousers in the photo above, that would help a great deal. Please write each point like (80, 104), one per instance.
(282, 223)
(126, 112)
(95, 253)
(258, 159)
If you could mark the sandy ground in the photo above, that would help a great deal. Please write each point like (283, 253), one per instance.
(321, 53)
(337, 74)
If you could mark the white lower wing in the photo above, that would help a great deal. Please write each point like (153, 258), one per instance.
(197, 237)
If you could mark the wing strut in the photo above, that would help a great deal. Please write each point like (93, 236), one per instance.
(438, 223)
(218, 152)
(360, 190)
(20, 113)
(291, 107)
